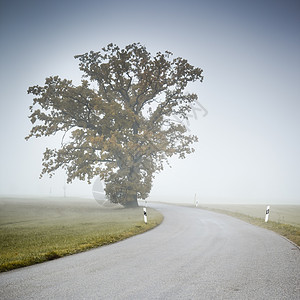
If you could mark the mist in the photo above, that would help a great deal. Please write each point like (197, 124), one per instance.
(248, 113)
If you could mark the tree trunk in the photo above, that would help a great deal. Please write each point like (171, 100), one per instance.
(132, 202)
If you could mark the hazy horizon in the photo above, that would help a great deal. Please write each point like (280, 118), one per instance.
(248, 116)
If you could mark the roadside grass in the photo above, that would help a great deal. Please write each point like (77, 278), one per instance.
(37, 230)
(287, 224)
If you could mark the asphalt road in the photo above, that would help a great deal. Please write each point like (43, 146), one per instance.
(193, 254)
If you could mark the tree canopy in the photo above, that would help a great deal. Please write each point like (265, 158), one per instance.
(119, 122)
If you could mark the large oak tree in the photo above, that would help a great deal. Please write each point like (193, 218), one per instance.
(121, 122)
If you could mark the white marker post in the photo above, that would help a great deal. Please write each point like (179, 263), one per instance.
(145, 215)
(267, 213)
(196, 201)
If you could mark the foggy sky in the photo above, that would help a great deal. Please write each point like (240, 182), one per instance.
(248, 149)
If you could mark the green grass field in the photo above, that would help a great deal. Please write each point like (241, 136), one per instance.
(283, 219)
(37, 230)
(287, 214)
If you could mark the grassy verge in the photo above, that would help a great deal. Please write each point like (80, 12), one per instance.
(291, 232)
(37, 230)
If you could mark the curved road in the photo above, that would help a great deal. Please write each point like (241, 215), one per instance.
(193, 254)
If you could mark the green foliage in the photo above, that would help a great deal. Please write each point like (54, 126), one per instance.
(122, 130)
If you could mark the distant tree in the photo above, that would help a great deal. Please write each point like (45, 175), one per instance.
(119, 123)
